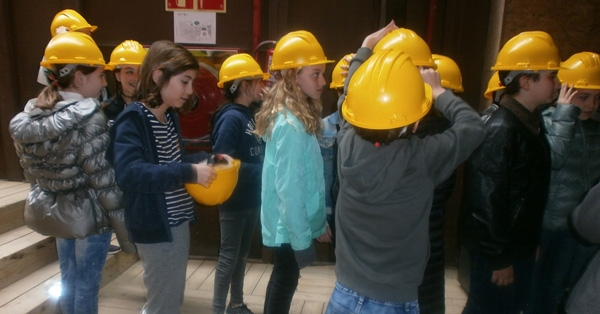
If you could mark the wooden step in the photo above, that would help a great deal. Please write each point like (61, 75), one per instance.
(30, 293)
(23, 251)
(12, 203)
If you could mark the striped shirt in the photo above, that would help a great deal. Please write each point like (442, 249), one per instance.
(180, 206)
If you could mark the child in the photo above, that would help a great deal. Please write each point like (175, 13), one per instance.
(574, 141)
(61, 138)
(507, 179)
(241, 80)
(584, 296)
(67, 20)
(432, 289)
(125, 62)
(328, 146)
(293, 189)
(151, 167)
(387, 179)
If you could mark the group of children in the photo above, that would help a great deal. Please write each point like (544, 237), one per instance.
(372, 178)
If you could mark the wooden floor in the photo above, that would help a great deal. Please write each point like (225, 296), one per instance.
(125, 294)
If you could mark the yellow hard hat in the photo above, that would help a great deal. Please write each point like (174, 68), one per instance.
(72, 48)
(240, 66)
(386, 92)
(449, 73)
(220, 189)
(69, 20)
(408, 41)
(582, 70)
(297, 49)
(128, 52)
(494, 85)
(528, 51)
(337, 80)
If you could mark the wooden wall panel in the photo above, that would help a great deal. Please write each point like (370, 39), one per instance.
(574, 25)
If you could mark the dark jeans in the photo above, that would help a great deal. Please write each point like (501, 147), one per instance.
(562, 261)
(283, 281)
(486, 297)
(237, 228)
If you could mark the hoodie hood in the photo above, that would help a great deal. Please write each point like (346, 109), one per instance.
(371, 172)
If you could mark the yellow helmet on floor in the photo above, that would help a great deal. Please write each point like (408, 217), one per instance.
(297, 49)
(70, 21)
(494, 85)
(582, 70)
(449, 73)
(220, 189)
(128, 52)
(528, 51)
(408, 41)
(337, 80)
(386, 92)
(240, 66)
(72, 48)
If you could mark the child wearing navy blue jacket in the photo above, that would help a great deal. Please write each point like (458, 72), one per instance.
(241, 80)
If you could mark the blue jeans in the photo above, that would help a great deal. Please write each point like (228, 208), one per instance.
(486, 297)
(283, 281)
(237, 228)
(81, 262)
(562, 261)
(346, 301)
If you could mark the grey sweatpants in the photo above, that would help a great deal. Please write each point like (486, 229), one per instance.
(165, 267)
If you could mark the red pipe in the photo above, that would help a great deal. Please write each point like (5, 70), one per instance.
(256, 15)
(431, 21)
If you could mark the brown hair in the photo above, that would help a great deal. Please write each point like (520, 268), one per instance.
(170, 58)
(49, 96)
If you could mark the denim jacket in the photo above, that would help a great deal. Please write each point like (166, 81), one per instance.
(328, 146)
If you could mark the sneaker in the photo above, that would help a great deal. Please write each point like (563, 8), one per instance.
(114, 249)
(242, 309)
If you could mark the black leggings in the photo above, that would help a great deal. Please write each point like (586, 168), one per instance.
(283, 281)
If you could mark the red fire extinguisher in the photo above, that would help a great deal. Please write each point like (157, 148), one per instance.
(268, 60)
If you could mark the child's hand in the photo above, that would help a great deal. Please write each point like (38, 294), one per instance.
(372, 39)
(566, 94)
(327, 236)
(205, 174)
(432, 78)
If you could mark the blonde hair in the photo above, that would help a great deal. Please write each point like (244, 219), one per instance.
(286, 94)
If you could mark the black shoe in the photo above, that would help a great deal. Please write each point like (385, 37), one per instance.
(114, 249)
(242, 309)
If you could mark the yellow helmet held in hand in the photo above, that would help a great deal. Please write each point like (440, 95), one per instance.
(528, 51)
(69, 21)
(582, 70)
(408, 41)
(386, 92)
(128, 52)
(72, 48)
(449, 73)
(337, 80)
(240, 66)
(297, 49)
(494, 85)
(220, 189)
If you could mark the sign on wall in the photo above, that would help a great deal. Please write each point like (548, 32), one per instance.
(195, 27)
(196, 5)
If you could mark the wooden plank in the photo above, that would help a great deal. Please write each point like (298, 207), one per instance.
(311, 307)
(25, 256)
